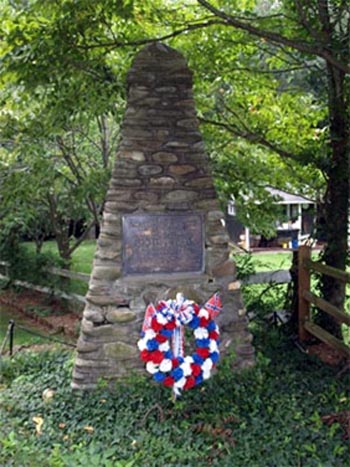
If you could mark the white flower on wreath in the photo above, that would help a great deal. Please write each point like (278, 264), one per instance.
(186, 368)
(166, 365)
(164, 347)
(161, 319)
(201, 333)
(203, 313)
(152, 367)
(142, 344)
(206, 374)
(207, 365)
(213, 346)
(149, 334)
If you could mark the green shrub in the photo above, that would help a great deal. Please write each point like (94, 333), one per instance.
(26, 265)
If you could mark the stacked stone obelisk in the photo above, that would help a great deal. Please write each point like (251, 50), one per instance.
(161, 168)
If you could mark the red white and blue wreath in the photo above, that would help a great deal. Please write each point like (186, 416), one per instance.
(162, 341)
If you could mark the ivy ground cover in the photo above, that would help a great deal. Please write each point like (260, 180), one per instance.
(289, 410)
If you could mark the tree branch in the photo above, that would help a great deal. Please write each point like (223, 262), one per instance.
(273, 72)
(104, 139)
(82, 237)
(300, 7)
(189, 28)
(301, 46)
(251, 137)
(323, 14)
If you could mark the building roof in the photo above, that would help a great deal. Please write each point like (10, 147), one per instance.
(288, 198)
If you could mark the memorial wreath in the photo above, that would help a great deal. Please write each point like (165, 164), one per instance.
(162, 342)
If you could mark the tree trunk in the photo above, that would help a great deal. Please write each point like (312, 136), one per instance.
(62, 240)
(61, 232)
(39, 242)
(291, 301)
(337, 196)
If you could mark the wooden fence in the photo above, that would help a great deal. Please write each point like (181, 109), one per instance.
(280, 276)
(305, 298)
(79, 299)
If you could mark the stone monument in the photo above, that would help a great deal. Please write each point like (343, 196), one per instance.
(162, 230)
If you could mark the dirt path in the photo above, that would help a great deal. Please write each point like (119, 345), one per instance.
(43, 313)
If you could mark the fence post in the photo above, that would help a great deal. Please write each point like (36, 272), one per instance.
(304, 252)
(12, 329)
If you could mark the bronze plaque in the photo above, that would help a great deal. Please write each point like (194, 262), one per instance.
(163, 243)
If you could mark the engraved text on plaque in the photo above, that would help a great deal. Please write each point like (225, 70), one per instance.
(163, 243)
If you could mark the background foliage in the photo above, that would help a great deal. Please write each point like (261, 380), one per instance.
(64, 68)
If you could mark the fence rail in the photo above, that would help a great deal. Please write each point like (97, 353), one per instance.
(305, 297)
(327, 307)
(327, 270)
(80, 276)
(48, 290)
(281, 276)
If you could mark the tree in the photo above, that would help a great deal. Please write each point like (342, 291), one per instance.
(47, 183)
(257, 133)
(60, 124)
(317, 30)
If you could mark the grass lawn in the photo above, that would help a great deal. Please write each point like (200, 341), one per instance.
(82, 257)
(276, 260)
(272, 261)
(82, 262)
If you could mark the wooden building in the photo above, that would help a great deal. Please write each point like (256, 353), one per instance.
(295, 226)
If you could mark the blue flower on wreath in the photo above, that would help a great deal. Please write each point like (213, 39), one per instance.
(214, 356)
(152, 344)
(177, 373)
(211, 326)
(166, 332)
(159, 377)
(204, 343)
(199, 379)
(194, 323)
(197, 359)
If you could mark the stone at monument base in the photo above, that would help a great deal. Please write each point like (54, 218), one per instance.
(107, 345)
